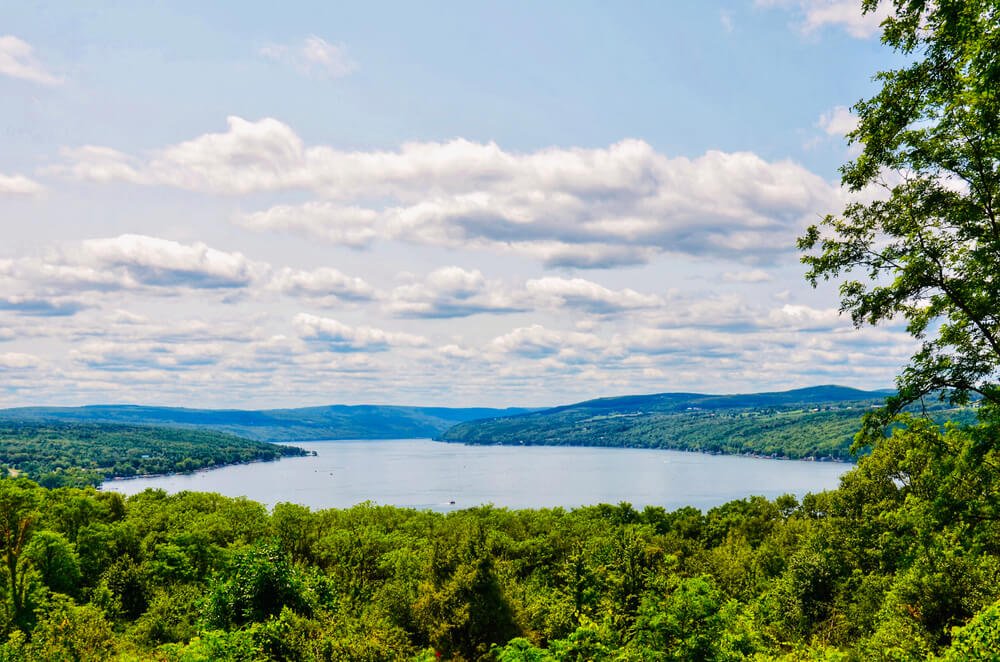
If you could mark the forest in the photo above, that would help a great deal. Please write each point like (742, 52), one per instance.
(59, 454)
(274, 425)
(806, 423)
(901, 562)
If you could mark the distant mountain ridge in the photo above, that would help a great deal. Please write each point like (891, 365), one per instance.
(667, 401)
(818, 422)
(301, 424)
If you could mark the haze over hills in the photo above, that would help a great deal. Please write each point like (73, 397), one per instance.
(301, 424)
(817, 422)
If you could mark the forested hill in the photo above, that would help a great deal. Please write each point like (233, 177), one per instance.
(60, 454)
(303, 424)
(818, 422)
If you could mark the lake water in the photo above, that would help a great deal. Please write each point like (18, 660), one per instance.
(421, 473)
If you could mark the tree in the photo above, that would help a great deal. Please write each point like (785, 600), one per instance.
(18, 515)
(55, 560)
(929, 246)
(259, 583)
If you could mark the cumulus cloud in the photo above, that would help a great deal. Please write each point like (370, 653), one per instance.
(314, 57)
(838, 121)
(17, 60)
(19, 185)
(805, 318)
(340, 337)
(160, 262)
(162, 266)
(453, 292)
(456, 292)
(682, 344)
(567, 207)
(98, 164)
(347, 226)
(845, 14)
(136, 356)
(536, 341)
(730, 312)
(18, 361)
(590, 296)
(320, 283)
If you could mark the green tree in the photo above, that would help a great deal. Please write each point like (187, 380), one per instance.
(462, 608)
(928, 248)
(685, 625)
(18, 515)
(979, 639)
(258, 584)
(55, 560)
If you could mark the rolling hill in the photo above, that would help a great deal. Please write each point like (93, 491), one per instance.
(817, 422)
(303, 424)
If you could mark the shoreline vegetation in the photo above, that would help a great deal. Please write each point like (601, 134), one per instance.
(817, 423)
(59, 454)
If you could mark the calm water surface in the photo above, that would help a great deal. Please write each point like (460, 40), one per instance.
(421, 473)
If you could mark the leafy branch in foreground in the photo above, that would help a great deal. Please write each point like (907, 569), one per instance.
(929, 247)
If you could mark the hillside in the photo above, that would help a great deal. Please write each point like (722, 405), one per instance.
(302, 424)
(817, 422)
(57, 454)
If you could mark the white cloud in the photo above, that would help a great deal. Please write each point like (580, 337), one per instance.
(794, 317)
(732, 312)
(456, 292)
(567, 207)
(453, 292)
(536, 341)
(683, 345)
(17, 60)
(152, 264)
(314, 57)
(750, 276)
(138, 356)
(320, 283)
(163, 263)
(846, 14)
(588, 295)
(347, 226)
(18, 361)
(340, 337)
(19, 185)
(838, 121)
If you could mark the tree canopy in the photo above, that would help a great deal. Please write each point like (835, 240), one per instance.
(921, 241)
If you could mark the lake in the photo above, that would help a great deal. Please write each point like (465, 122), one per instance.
(420, 473)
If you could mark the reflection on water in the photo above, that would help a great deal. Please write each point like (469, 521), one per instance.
(421, 473)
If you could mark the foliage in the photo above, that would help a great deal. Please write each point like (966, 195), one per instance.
(78, 454)
(902, 561)
(927, 249)
(302, 424)
(795, 424)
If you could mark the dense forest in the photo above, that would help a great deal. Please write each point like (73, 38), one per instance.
(299, 424)
(901, 562)
(76, 454)
(818, 422)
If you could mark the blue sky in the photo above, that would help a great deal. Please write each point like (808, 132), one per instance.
(445, 203)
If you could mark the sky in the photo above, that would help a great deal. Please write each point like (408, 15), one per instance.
(442, 203)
